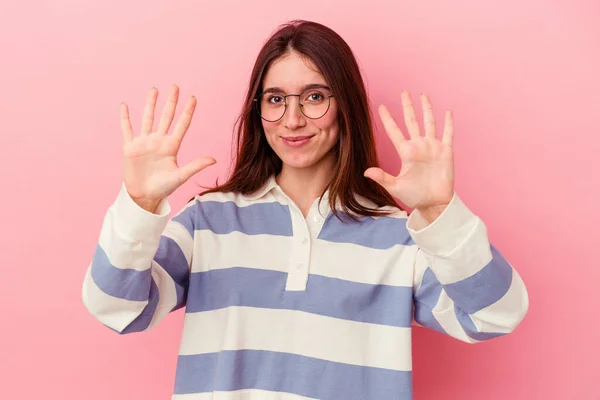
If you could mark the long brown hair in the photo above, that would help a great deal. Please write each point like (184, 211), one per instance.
(255, 161)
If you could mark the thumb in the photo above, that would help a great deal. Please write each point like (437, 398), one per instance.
(381, 177)
(193, 167)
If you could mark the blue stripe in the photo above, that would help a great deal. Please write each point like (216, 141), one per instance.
(263, 218)
(134, 285)
(186, 218)
(170, 256)
(377, 233)
(289, 373)
(378, 304)
(143, 320)
(125, 284)
(485, 287)
(426, 297)
(469, 327)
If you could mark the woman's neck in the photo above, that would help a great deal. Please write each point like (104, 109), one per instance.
(304, 185)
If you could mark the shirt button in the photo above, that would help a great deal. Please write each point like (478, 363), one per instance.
(317, 219)
(305, 240)
(300, 266)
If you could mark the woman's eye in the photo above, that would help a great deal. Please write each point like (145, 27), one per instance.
(275, 99)
(315, 96)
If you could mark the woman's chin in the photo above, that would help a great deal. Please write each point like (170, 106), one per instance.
(298, 164)
(303, 158)
(304, 161)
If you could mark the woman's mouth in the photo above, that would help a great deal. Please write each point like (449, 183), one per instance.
(296, 141)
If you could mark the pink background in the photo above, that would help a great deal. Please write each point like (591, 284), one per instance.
(521, 78)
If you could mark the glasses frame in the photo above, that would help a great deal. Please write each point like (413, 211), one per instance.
(285, 105)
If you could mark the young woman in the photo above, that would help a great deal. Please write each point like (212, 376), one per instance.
(300, 275)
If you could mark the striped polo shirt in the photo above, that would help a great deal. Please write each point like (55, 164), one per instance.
(282, 306)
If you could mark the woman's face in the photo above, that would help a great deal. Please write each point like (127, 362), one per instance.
(300, 142)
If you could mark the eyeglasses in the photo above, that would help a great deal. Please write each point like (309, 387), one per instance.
(314, 104)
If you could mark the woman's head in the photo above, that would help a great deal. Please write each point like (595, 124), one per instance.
(303, 55)
(299, 113)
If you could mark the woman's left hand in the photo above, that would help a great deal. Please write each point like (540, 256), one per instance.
(426, 178)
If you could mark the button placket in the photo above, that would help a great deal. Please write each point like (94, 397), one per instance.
(315, 223)
(298, 267)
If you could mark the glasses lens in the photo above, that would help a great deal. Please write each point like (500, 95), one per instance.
(315, 102)
(271, 106)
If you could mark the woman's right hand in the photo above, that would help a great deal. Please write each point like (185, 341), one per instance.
(150, 170)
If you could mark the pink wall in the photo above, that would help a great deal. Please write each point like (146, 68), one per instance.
(522, 80)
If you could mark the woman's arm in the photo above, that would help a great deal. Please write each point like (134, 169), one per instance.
(463, 285)
(140, 269)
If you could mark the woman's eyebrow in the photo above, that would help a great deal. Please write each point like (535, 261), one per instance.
(305, 87)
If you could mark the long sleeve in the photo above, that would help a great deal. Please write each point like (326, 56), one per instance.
(140, 268)
(463, 286)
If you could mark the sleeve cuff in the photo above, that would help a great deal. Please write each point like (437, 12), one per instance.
(447, 232)
(135, 223)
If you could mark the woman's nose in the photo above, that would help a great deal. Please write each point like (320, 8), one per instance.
(294, 117)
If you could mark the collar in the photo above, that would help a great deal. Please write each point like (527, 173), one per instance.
(269, 185)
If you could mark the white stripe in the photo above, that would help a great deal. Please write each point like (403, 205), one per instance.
(334, 260)
(505, 314)
(296, 332)
(122, 252)
(111, 311)
(356, 263)
(464, 261)
(246, 394)
(125, 253)
(235, 249)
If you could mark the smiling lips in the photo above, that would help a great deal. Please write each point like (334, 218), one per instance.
(296, 141)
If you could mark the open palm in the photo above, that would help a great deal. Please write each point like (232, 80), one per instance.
(150, 170)
(426, 178)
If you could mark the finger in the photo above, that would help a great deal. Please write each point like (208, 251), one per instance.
(390, 126)
(448, 136)
(386, 180)
(148, 117)
(168, 111)
(410, 118)
(428, 119)
(126, 124)
(192, 168)
(185, 119)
